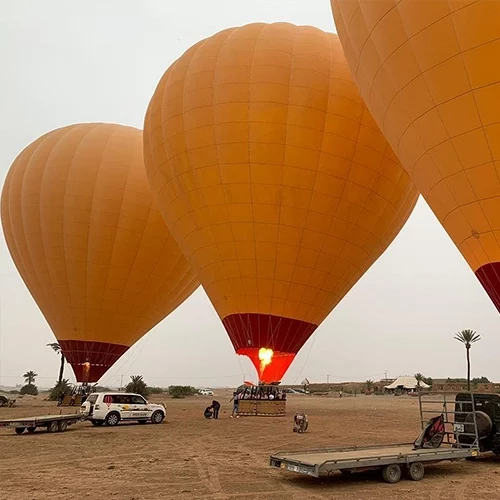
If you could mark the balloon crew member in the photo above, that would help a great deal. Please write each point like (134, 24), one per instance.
(236, 405)
(216, 408)
(208, 412)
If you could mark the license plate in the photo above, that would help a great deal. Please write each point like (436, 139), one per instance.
(458, 427)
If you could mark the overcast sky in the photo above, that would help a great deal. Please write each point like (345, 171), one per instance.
(100, 60)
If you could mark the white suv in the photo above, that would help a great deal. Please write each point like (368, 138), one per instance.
(111, 407)
(206, 392)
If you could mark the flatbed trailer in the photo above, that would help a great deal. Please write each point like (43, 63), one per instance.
(324, 462)
(390, 459)
(53, 423)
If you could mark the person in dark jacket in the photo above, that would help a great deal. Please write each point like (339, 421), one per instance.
(208, 412)
(216, 408)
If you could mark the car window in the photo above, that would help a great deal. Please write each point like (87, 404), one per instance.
(137, 400)
(119, 399)
(92, 398)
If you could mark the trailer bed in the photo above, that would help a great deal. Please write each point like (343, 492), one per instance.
(53, 423)
(324, 462)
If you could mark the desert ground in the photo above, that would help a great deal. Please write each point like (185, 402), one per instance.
(190, 458)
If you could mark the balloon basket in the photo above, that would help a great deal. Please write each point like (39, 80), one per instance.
(261, 408)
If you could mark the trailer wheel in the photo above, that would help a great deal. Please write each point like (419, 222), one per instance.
(391, 473)
(52, 426)
(31, 430)
(416, 471)
(62, 425)
(19, 430)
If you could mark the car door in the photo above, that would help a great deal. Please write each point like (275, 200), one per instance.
(121, 402)
(139, 407)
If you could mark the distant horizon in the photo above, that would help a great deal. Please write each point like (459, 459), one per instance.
(4, 387)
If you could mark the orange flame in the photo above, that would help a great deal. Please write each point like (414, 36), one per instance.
(86, 371)
(266, 357)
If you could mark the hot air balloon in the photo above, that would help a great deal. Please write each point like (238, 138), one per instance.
(90, 244)
(275, 181)
(428, 72)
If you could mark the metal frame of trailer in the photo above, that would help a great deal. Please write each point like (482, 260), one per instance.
(390, 459)
(53, 423)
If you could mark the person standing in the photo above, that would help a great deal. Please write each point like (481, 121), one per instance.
(236, 406)
(216, 408)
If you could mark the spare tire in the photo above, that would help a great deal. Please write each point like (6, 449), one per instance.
(483, 421)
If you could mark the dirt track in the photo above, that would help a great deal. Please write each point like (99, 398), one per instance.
(190, 458)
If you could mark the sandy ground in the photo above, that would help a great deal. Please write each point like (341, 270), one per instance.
(189, 457)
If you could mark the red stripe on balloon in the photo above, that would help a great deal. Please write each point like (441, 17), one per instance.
(100, 355)
(489, 276)
(278, 333)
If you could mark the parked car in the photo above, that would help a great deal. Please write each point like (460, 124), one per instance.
(206, 392)
(6, 400)
(110, 408)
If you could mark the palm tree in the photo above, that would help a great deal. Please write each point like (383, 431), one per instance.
(57, 349)
(30, 377)
(369, 385)
(420, 378)
(468, 337)
(137, 385)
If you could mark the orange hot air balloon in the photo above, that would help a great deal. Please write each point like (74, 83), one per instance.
(90, 244)
(428, 71)
(275, 181)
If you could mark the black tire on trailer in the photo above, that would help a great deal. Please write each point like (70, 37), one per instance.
(62, 425)
(31, 430)
(52, 426)
(157, 417)
(19, 430)
(391, 473)
(112, 419)
(416, 471)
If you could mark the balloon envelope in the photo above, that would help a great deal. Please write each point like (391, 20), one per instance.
(428, 71)
(90, 244)
(275, 181)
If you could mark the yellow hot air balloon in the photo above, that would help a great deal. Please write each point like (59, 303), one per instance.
(428, 71)
(275, 181)
(90, 244)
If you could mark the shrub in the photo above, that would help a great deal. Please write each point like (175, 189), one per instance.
(181, 391)
(157, 390)
(60, 390)
(29, 389)
(137, 386)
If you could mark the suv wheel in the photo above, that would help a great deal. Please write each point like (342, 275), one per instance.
(157, 417)
(112, 419)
